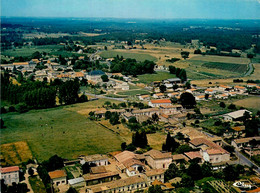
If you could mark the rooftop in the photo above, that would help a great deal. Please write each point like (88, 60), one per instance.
(237, 114)
(98, 170)
(9, 169)
(154, 172)
(155, 154)
(95, 157)
(161, 101)
(193, 154)
(96, 73)
(246, 140)
(76, 180)
(57, 174)
(89, 177)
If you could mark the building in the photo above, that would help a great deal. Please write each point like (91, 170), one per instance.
(98, 178)
(155, 174)
(77, 182)
(158, 160)
(95, 75)
(10, 174)
(129, 160)
(159, 102)
(98, 159)
(58, 177)
(210, 151)
(130, 184)
(243, 142)
(236, 115)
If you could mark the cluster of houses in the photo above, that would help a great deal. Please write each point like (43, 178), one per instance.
(54, 70)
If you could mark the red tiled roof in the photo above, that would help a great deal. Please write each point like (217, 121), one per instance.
(57, 174)
(161, 101)
(9, 169)
(193, 154)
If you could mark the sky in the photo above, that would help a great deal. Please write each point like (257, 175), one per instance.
(148, 9)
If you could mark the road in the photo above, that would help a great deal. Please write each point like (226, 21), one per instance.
(104, 97)
(250, 70)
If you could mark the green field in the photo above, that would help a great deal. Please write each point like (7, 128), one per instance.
(59, 131)
(158, 76)
(37, 185)
(240, 68)
(133, 92)
(137, 56)
(28, 51)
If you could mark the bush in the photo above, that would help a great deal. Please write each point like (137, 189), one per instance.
(3, 110)
(22, 108)
(232, 106)
(11, 109)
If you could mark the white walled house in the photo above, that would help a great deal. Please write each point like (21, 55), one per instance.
(158, 160)
(159, 102)
(98, 159)
(155, 174)
(10, 174)
(58, 177)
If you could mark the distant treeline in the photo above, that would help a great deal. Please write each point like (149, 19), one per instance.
(36, 95)
(131, 66)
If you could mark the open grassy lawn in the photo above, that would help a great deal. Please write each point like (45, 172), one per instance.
(129, 54)
(28, 51)
(133, 92)
(158, 76)
(226, 66)
(250, 102)
(59, 131)
(15, 153)
(37, 185)
(221, 59)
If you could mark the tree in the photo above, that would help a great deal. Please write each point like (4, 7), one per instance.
(2, 123)
(104, 78)
(162, 88)
(230, 173)
(222, 104)
(72, 190)
(155, 189)
(206, 96)
(185, 54)
(155, 118)
(105, 47)
(174, 100)
(194, 170)
(251, 127)
(198, 51)
(139, 139)
(183, 75)
(123, 146)
(108, 115)
(107, 103)
(171, 172)
(187, 181)
(183, 148)
(206, 169)
(232, 106)
(36, 55)
(30, 171)
(114, 119)
(172, 69)
(170, 145)
(187, 100)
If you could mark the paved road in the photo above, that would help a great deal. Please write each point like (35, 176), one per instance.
(250, 70)
(105, 97)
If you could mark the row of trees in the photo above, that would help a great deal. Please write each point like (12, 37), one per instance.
(132, 67)
(180, 73)
(36, 94)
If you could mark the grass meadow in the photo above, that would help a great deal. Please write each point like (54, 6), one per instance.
(158, 76)
(61, 131)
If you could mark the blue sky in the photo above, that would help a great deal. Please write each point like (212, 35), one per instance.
(160, 9)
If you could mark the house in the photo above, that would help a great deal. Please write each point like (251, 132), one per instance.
(58, 177)
(121, 86)
(170, 109)
(179, 158)
(210, 151)
(236, 115)
(221, 96)
(200, 98)
(240, 88)
(232, 94)
(173, 94)
(243, 142)
(155, 174)
(10, 174)
(224, 88)
(251, 85)
(132, 165)
(95, 75)
(194, 155)
(98, 159)
(77, 182)
(210, 91)
(158, 95)
(130, 184)
(144, 97)
(174, 80)
(157, 159)
(234, 131)
(148, 112)
(159, 102)
(98, 178)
